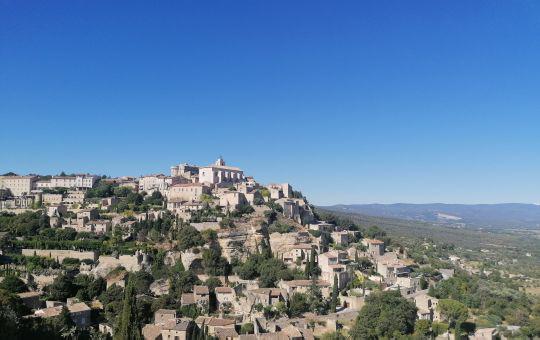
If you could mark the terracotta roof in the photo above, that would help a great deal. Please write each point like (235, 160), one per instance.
(78, 307)
(274, 292)
(373, 241)
(151, 331)
(179, 325)
(225, 332)
(224, 290)
(302, 246)
(187, 299)
(28, 294)
(209, 321)
(306, 283)
(49, 312)
(200, 290)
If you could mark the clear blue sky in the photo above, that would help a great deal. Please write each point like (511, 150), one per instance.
(350, 101)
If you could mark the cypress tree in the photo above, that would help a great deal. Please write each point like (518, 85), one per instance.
(129, 325)
(312, 264)
(308, 267)
(334, 301)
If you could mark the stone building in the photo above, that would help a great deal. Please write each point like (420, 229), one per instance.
(333, 264)
(375, 247)
(151, 183)
(84, 181)
(200, 296)
(186, 171)
(74, 197)
(219, 173)
(224, 296)
(18, 185)
(302, 286)
(277, 191)
(51, 198)
(232, 199)
(60, 254)
(188, 192)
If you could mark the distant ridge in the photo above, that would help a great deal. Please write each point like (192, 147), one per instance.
(492, 216)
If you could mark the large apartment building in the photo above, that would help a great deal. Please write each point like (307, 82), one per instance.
(77, 181)
(18, 185)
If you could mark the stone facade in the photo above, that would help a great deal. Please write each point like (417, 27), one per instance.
(18, 185)
(219, 173)
(187, 192)
(60, 254)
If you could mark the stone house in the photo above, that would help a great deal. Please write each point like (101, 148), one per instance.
(332, 265)
(225, 297)
(51, 198)
(375, 247)
(79, 312)
(427, 305)
(188, 192)
(340, 238)
(302, 286)
(31, 300)
(214, 325)
(232, 200)
(266, 296)
(167, 326)
(200, 296)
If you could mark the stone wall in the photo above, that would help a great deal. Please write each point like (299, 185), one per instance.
(60, 254)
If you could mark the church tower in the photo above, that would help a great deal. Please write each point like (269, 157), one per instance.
(220, 162)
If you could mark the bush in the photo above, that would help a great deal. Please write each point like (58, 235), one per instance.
(13, 284)
(247, 328)
(281, 228)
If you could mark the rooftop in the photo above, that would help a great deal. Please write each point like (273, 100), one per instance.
(224, 290)
(200, 290)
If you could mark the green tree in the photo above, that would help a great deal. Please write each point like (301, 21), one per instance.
(298, 305)
(384, 314)
(423, 283)
(182, 281)
(141, 281)
(333, 336)
(62, 288)
(438, 328)
(247, 328)
(422, 328)
(11, 312)
(453, 312)
(13, 284)
(335, 292)
(129, 327)
(189, 237)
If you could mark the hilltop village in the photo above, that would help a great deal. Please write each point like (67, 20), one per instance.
(205, 252)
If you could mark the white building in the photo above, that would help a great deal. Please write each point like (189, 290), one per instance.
(151, 183)
(18, 185)
(77, 181)
(219, 173)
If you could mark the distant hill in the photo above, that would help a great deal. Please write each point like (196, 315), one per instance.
(490, 216)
